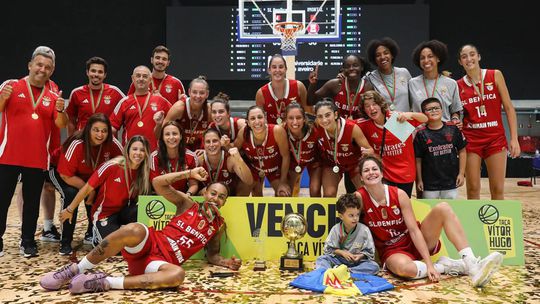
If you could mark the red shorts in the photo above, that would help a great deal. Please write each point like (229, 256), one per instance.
(150, 252)
(487, 147)
(405, 246)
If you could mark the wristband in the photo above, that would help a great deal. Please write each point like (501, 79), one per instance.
(189, 193)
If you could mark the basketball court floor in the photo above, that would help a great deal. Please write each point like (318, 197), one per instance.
(19, 277)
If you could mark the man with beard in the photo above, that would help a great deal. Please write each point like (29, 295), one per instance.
(94, 97)
(167, 86)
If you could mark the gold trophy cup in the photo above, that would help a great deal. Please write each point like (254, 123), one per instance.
(293, 228)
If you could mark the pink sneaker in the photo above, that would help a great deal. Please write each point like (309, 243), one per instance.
(91, 282)
(54, 280)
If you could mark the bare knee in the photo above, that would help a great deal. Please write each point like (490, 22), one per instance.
(176, 277)
(405, 270)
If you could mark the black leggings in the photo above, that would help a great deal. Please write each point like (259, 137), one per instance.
(407, 187)
(67, 194)
(32, 179)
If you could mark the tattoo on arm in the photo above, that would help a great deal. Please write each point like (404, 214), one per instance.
(100, 249)
(146, 281)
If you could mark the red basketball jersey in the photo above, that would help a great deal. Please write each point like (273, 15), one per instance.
(169, 87)
(341, 100)
(264, 157)
(186, 234)
(275, 107)
(481, 125)
(190, 162)
(194, 128)
(218, 174)
(307, 147)
(348, 152)
(232, 132)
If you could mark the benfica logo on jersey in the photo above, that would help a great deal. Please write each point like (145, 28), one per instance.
(396, 210)
(225, 173)
(46, 101)
(201, 224)
(448, 136)
(489, 86)
(153, 106)
(168, 88)
(271, 150)
(310, 144)
(107, 99)
(345, 147)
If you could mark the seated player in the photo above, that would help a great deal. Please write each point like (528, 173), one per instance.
(155, 257)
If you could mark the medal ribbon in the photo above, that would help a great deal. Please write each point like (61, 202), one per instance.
(34, 102)
(480, 91)
(335, 141)
(214, 177)
(276, 99)
(434, 86)
(393, 94)
(209, 210)
(94, 107)
(169, 166)
(261, 162)
(160, 84)
(191, 127)
(95, 162)
(139, 106)
(297, 155)
(351, 101)
(343, 236)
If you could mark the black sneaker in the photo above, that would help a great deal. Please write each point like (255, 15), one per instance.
(65, 249)
(1, 247)
(50, 235)
(88, 238)
(29, 249)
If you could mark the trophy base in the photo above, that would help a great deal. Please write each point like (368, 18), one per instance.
(259, 266)
(291, 264)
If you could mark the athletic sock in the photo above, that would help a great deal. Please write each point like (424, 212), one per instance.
(468, 257)
(84, 265)
(47, 224)
(116, 282)
(421, 270)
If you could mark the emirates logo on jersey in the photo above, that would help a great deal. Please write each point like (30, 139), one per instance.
(107, 99)
(168, 88)
(489, 86)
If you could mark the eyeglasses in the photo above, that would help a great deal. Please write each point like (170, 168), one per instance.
(432, 109)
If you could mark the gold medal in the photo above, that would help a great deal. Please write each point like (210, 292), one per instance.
(392, 107)
(384, 213)
(35, 116)
(335, 169)
(261, 173)
(298, 169)
(140, 124)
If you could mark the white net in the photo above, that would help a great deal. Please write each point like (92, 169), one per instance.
(288, 31)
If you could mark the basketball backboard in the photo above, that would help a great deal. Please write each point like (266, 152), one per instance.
(257, 20)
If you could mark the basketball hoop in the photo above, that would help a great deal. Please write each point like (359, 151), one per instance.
(288, 32)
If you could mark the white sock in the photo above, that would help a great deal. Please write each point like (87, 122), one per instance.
(468, 257)
(439, 268)
(421, 270)
(84, 265)
(47, 224)
(116, 282)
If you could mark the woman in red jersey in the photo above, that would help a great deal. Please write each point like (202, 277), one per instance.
(342, 143)
(81, 155)
(303, 148)
(172, 156)
(155, 258)
(345, 89)
(274, 96)
(227, 126)
(267, 152)
(398, 157)
(192, 113)
(402, 243)
(120, 181)
(482, 93)
(226, 167)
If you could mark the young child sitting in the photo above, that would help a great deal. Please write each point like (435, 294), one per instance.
(440, 155)
(349, 242)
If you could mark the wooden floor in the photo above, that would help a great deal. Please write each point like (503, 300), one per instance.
(19, 276)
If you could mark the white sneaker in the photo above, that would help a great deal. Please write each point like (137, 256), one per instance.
(482, 271)
(452, 267)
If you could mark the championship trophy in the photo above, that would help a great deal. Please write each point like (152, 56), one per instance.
(293, 228)
(260, 263)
